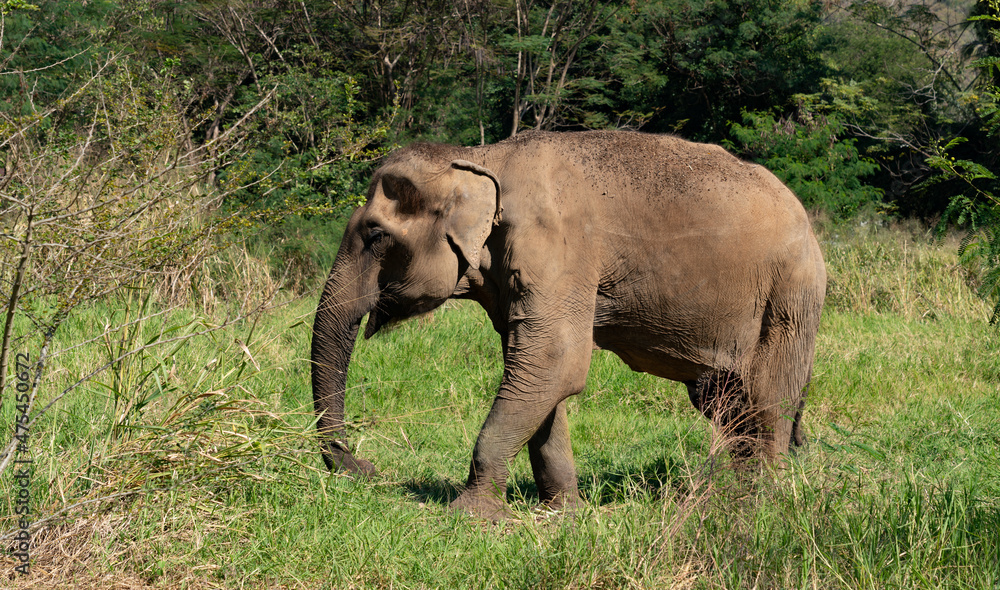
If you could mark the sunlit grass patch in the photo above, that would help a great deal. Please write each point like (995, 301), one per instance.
(197, 467)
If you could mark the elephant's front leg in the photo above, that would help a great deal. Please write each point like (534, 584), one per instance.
(509, 425)
(552, 462)
(543, 368)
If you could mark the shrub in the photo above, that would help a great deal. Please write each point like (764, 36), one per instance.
(809, 155)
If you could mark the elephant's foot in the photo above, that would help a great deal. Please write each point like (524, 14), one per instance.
(484, 506)
(340, 460)
(563, 504)
(363, 468)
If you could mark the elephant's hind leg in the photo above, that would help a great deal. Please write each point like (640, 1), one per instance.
(722, 397)
(552, 462)
(799, 439)
(777, 381)
(758, 412)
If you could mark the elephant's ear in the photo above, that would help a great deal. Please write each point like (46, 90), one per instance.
(474, 209)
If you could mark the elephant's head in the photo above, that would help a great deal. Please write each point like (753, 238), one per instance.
(424, 224)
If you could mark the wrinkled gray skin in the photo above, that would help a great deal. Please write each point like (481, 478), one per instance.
(686, 262)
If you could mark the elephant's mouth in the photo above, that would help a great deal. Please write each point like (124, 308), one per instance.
(390, 310)
(376, 320)
(386, 311)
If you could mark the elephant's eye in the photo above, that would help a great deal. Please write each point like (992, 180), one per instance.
(375, 236)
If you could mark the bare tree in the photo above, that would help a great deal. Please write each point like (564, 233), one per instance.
(402, 40)
(547, 42)
(111, 199)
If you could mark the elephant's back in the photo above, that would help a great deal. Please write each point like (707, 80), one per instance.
(661, 195)
(695, 243)
(663, 175)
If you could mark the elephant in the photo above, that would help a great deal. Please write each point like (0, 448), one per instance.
(685, 261)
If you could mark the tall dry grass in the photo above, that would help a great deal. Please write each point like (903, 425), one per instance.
(904, 268)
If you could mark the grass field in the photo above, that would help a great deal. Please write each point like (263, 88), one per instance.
(193, 465)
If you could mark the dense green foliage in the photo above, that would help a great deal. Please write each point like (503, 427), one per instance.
(977, 175)
(336, 75)
(806, 153)
(329, 87)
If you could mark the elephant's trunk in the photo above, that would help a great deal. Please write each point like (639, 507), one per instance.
(351, 291)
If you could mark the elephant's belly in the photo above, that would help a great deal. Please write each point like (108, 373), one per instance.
(672, 336)
(658, 354)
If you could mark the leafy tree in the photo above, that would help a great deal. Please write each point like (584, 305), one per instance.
(899, 81)
(310, 137)
(809, 153)
(976, 200)
(985, 49)
(547, 43)
(48, 46)
(396, 43)
(307, 141)
(716, 59)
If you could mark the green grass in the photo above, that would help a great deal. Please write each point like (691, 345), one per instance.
(898, 486)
